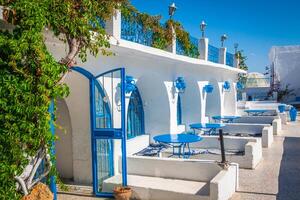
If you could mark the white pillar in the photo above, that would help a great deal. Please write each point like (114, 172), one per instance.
(236, 62)
(113, 25)
(222, 55)
(203, 96)
(222, 97)
(203, 48)
(172, 47)
(235, 98)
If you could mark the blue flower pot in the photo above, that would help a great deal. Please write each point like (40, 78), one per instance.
(293, 114)
(208, 88)
(281, 108)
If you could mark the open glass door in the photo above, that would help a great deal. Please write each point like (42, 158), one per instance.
(108, 131)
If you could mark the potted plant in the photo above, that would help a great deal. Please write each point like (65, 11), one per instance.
(122, 193)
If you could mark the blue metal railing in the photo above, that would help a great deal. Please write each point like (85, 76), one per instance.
(213, 54)
(194, 50)
(229, 59)
(134, 31)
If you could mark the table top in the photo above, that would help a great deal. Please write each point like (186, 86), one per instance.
(177, 138)
(257, 110)
(207, 125)
(225, 117)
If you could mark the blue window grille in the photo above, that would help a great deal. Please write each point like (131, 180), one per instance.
(213, 54)
(134, 31)
(179, 111)
(229, 59)
(135, 115)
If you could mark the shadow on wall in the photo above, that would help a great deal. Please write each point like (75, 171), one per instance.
(64, 153)
(289, 175)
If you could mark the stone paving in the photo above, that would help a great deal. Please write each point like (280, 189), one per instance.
(276, 177)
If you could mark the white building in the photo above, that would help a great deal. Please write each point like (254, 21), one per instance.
(155, 105)
(285, 61)
(257, 87)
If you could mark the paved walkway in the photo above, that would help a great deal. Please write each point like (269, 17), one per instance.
(278, 175)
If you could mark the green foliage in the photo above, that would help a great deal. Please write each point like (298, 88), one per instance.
(285, 92)
(162, 34)
(29, 75)
(242, 58)
(240, 55)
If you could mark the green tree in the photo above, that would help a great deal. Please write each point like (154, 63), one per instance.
(30, 76)
(242, 65)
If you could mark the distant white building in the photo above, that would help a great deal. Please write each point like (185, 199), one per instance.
(257, 87)
(285, 61)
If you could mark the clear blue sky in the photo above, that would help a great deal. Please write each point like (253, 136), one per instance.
(255, 24)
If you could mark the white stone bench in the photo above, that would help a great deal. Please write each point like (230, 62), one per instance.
(275, 121)
(177, 179)
(266, 131)
(251, 146)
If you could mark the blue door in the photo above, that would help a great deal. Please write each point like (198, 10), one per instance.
(108, 137)
(108, 131)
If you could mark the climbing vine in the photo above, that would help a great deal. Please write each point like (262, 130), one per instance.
(30, 77)
(162, 33)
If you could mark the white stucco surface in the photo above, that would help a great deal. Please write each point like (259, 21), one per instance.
(285, 60)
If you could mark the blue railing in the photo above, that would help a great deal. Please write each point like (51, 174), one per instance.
(194, 50)
(134, 31)
(213, 54)
(229, 59)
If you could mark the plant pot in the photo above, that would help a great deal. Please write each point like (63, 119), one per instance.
(122, 193)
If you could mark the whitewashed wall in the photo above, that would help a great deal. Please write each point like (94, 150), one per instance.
(155, 71)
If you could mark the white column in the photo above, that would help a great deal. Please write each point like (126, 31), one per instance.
(173, 97)
(172, 47)
(222, 55)
(113, 25)
(235, 98)
(203, 95)
(222, 97)
(236, 62)
(203, 48)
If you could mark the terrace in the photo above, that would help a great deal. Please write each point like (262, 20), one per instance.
(121, 27)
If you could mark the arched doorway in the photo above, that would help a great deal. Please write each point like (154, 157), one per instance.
(135, 115)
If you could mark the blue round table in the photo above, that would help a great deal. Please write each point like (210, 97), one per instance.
(180, 141)
(257, 112)
(225, 119)
(208, 128)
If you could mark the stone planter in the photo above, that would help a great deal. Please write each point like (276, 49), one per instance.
(39, 192)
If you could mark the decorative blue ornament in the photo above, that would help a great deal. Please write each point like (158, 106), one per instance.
(130, 84)
(239, 86)
(180, 84)
(208, 88)
(226, 86)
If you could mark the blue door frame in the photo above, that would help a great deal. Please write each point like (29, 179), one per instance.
(105, 133)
